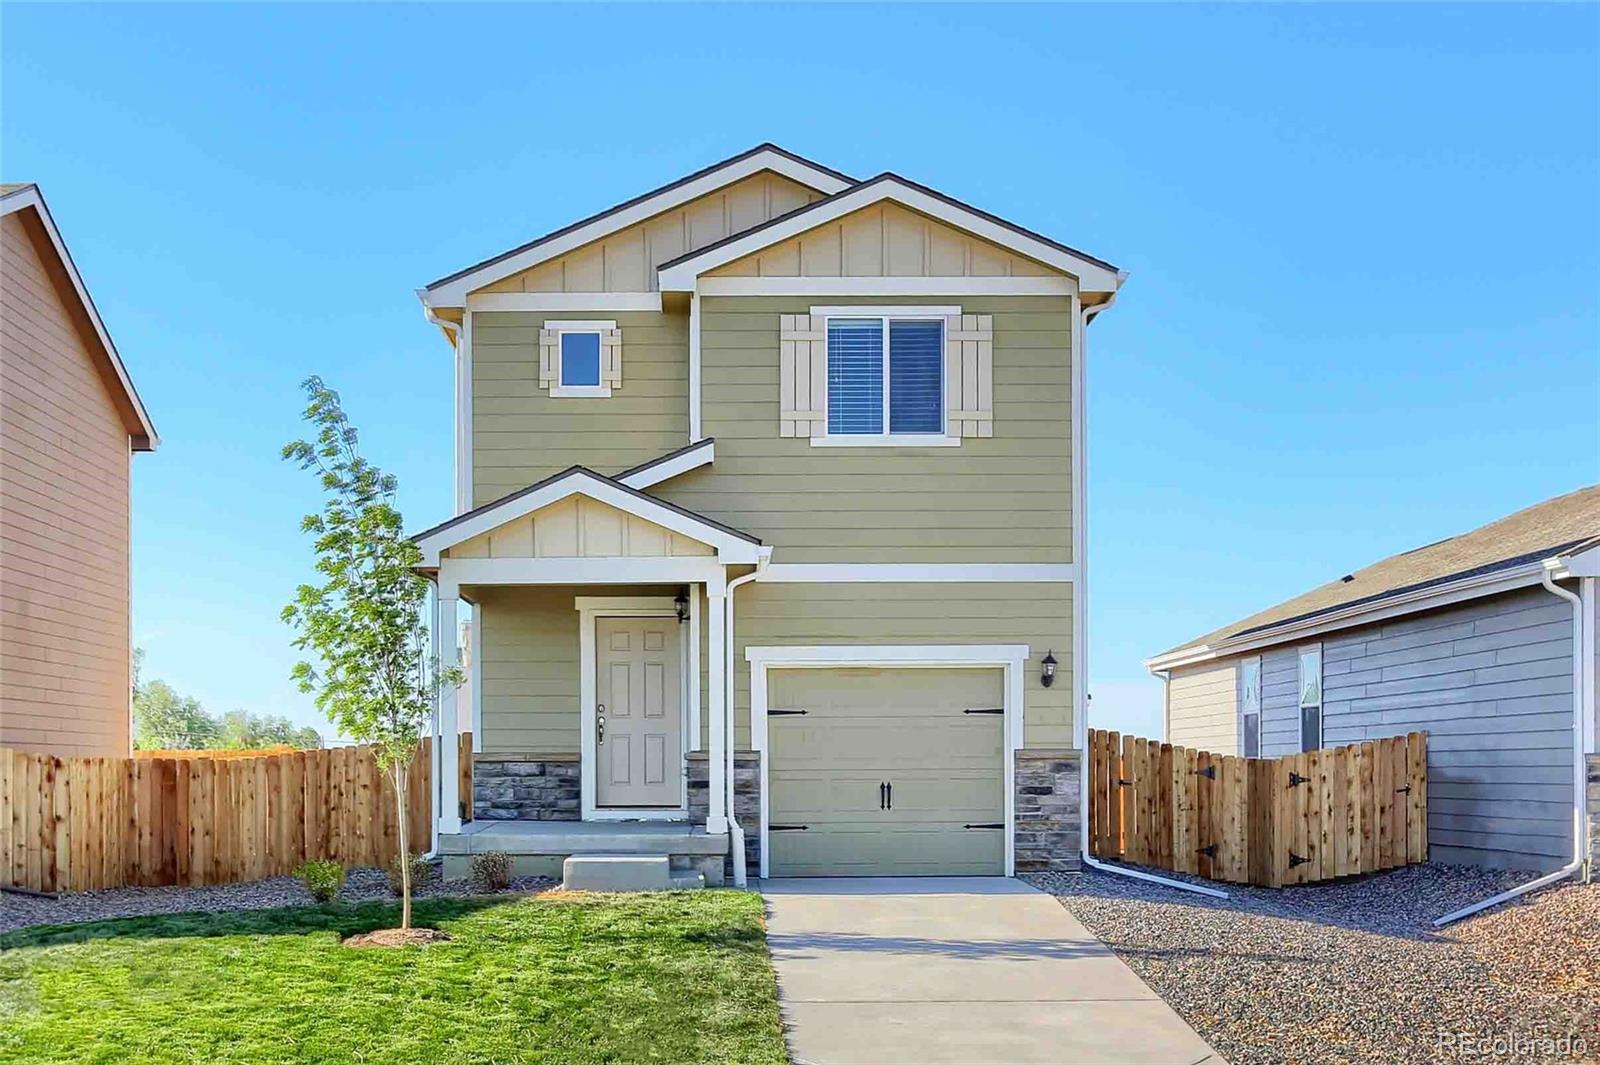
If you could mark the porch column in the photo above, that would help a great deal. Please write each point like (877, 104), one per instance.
(717, 708)
(448, 636)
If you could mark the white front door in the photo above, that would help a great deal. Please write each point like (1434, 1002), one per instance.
(638, 716)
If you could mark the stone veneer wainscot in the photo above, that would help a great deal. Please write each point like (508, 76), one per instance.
(526, 787)
(746, 800)
(1048, 810)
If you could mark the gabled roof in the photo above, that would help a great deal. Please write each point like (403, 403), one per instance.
(27, 197)
(451, 290)
(1567, 524)
(732, 545)
(702, 452)
(1093, 274)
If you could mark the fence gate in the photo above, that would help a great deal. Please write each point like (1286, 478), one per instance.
(1334, 812)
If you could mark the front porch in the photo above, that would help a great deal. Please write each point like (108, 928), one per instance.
(538, 848)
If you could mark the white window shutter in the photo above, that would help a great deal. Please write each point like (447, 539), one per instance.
(802, 375)
(549, 358)
(611, 358)
(969, 374)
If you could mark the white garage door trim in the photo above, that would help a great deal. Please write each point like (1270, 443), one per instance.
(1011, 657)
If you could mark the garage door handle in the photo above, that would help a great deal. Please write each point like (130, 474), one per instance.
(883, 796)
(987, 824)
(888, 790)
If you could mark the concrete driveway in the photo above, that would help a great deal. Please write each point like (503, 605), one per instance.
(960, 969)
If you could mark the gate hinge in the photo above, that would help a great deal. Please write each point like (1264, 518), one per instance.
(787, 828)
(1209, 772)
(783, 713)
(1295, 859)
(985, 710)
(1406, 790)
(987, 824)
(1295, 779)
(1209, 850)
(1125, 783)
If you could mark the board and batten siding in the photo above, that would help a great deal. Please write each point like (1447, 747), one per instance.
(1036, 614)
(64, 522)
(522, 434)
(1491, 682)
(1202, 707)
(1005, 498)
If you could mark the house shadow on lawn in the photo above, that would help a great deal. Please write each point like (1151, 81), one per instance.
(344, 919)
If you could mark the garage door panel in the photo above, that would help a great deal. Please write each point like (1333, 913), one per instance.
(864, 727)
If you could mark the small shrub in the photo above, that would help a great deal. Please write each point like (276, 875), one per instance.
(322, 878)
(421, 873)
(491, 871)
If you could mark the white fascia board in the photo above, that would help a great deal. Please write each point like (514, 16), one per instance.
(1091, 276)
(946, 654)
(885, 310)
(1432, 598)
(564, 301)
(29, 197)
(886, 286)
(690, 459)
(916, 573)
(455, 572)
(453, 293)
(730, 549)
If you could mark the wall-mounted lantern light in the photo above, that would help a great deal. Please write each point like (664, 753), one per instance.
(682, 605)
(1047, 674)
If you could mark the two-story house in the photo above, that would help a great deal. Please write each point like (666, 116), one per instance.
(70, 423)
(770, 514)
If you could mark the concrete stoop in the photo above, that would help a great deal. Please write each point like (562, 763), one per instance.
(626, 872)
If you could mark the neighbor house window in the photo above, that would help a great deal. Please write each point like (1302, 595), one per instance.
(1250, 707)
(1310, 698)
(886, 376)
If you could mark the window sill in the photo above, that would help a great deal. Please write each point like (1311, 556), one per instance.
(903, 440)
(580, 392)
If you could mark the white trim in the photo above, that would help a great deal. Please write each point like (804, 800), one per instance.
(694, 368)
(564, 301)
(1431, 598)
(730, 549)
(476, 675)
(886, 440)
(1091, 275)
(449, 736)
(590, 609)
(1012, 658)
(598, 329)
(29, 196)
(1077, 473)
(456, 572)
(1588, 587)
(453, 293)
(885, 286)
(464, 414)
(693, 740)
(874, 310)
(691, 459)
(916, 572)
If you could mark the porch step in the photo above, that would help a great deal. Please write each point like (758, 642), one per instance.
(625, 872)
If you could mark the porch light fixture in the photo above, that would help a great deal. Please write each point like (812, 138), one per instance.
(682, 605)
(1047, 672)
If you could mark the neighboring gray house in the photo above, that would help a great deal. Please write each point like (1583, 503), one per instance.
(1485, 640)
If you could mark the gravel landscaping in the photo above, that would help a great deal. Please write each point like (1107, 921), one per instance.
(1355, 972)
(361, 885)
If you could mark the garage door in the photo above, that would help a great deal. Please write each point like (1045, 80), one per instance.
(887, 772)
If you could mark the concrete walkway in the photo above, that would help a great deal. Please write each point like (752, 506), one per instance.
(964, 970)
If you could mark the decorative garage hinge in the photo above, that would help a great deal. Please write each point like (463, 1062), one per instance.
(1295, 859)
(1295, 779)
(987, 824)
(783, 713)
(787, 828)
(985, 710)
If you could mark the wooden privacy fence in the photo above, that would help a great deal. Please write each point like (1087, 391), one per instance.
(1334, 812)
(202, 817)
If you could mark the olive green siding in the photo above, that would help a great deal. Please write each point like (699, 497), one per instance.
(529, 643)
(521, 435)
(1039, 615)
(1000, 499)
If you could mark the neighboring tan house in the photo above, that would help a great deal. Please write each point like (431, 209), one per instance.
(1486, 641)
(769, 508)
(69, 423)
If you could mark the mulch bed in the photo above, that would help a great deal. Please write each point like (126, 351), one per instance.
(1353, 971)
(399, 937)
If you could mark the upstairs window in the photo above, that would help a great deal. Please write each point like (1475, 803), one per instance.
(886, 377)
(580, 360)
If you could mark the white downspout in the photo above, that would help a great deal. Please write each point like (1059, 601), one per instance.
(1579, 844)
(735, 830)
(1081, 557)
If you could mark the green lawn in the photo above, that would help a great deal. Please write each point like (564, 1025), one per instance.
(675, 977)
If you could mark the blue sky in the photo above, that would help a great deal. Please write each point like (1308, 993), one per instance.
(1364, 310)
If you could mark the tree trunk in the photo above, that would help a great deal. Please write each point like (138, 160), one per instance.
(399, 777)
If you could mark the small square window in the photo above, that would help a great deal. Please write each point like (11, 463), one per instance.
(580, 360)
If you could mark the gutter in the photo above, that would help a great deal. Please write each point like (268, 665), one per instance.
(735, 830)
(1579, 815)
